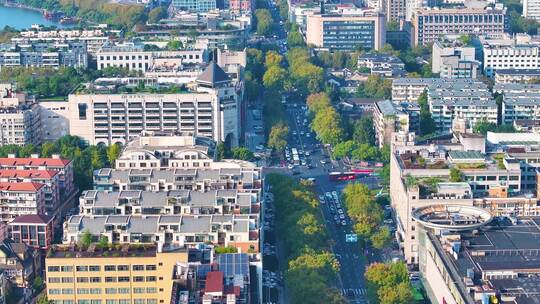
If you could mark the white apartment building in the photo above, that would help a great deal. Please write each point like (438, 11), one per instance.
(531, 9)
(20, 123)
(212, 110)
(134, 57)
(520, 107)
(21, 198)
(519, 53)
(409, 89)
(452, 59)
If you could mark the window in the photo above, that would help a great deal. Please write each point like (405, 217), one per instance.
(110, 290)
(123, 267)
(53, 269)
(54, 291)
(150, 267)
(110, 279)
(94, 268)
(110, 268)
(82, 280)
(83, 302)
(139, 301)
(66, 268)
(111, 302)
(95, 290)
(67, 280)
(138, 267)
(123, 290)
(123, 279)
(82, 111)
(83, 291)
(81, 268)
(150, 279)
(54, 280)
(67, 291)
(151, 301)
(138, 290)
(95, 279)
(138, 279)
(124, 301)
(95, 301)
(514, 177)
(151, 290)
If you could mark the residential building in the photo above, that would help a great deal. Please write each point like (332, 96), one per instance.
(519, 107)
(211, 110)
(430, 24)
(409, 89)
(21, 199)
(44, 54)
(49, 178)
(519, 52)
(241, 6)
(382, 64)
(531, 9)
(127, 274)
(395, 9)
(517, 76)
(134, 57)
(347, 31)
(20, 124)
(389, 118)
(195, 5)
(453, 59)
(54, 163)
(36, 230)
(471, 102)
(299, 13)
(19, 263)
(180, 231)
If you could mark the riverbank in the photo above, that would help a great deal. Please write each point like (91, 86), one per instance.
(21, 17)
(22, 6)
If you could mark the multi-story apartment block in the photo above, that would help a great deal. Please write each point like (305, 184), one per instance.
(531, 9)
(195, 5)
(201, 179)
(49, 178)
(382, 64)
(516, 76)
(452, 59)
(167, 150)
(137, 202)
(134, 57)
(38, 54)
(127, 274)
(212, 110)
(21, 199)
(470, 102)
(36, 230)
(520, 107)
(389, 118)
(520, 52)
(241, 6)
(430, 24)
(409, 89)
(395, 9)
(184, 231)
(19, 263)
(34, 162)
(347, 31)
(20, 125)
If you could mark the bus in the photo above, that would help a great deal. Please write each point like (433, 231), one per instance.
(363, 171)
(295, 157)
(345, 176)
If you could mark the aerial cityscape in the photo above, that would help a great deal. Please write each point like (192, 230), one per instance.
(269, 152)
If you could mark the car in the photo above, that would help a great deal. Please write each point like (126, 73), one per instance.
(343, 223)
(293, 132)
(323, 161)
(303, 162)
(290, 167)
(328, 194)
(336, 218)
(307, 153)
(334, 193)
(340, 211)
(388, 221)
(321, 197)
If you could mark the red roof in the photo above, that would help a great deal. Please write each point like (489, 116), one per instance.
(22, 161)
(214, 281)
(31, 187)
(12, 173)
(32, 219)
(230, 289)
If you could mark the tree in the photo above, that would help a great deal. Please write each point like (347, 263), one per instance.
(274, 77)
(327, 126)
(157, 14)
(242, 153)
(364, 131)
(455, 175)
(221, 151)
(365, 152)
(38, 283)
(174, 45)
(113, 152)
(375, 87)
(381, 238)
(48, 149)
(277, 139)
(86, 239)
(42, 299)
(227, 249)
(366, 214)
(264, 22)
(427, 124)
(344, 149)
(392, 25)
(389, 283)
(273, 58)
(294, 38)
(103, 242)
(317, 102)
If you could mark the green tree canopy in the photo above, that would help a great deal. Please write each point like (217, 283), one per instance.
(242, 153)
(327, 126)
(364, 130)
(277, 139)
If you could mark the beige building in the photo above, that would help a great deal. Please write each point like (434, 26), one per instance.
(395, 9)
(430, 24)
(121, 275)
(347, 31)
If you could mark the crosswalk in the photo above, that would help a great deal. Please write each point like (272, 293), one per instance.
(356, 292)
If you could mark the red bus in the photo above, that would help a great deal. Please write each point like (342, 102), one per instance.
(346, 176)
(362, 171)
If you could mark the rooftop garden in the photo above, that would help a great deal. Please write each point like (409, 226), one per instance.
(415, 161)
(471, 166)
(97, 250)
(499, 158)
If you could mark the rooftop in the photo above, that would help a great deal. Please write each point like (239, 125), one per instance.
(24, 186)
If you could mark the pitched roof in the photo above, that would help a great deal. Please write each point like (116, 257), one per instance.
(31, 187)
(21, 161)
(214, 281)
(213, 74)
(12, 173)
(32, 219)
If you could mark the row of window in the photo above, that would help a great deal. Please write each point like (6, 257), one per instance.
(121, 301)
(121, 279)
(98, 268)
(69, 291)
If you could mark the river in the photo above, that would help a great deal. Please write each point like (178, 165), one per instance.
(22, 18)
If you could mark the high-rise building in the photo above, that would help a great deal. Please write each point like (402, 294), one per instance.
(395, 9)
(429, 24)
(531, 9)
(517, 52)
(347, 31)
